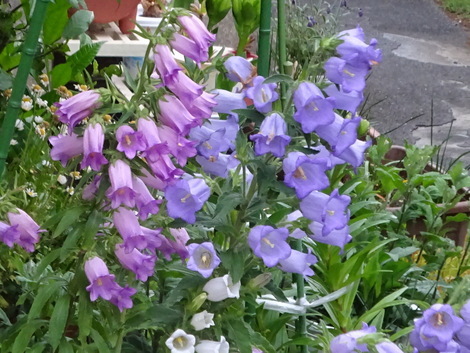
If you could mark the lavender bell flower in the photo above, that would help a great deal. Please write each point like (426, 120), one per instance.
(121, 190)
(322, 152)
(337, 237)
(330, 210)
(197, 31)
(387, 347)
(28, 230)
(93, 140)
(340, 134)
(269, 244)
(239, 70)
(272, 136)
(464, 334)
(144, 200)
(355, 51)
(298, 262)
(155, 147)
(181, 237)
(185, 89)
(153, 181)
(164, 169)
(350, 77)
(122, 298)
(345, 101)
(128, 226)
(185, 198)
(262, 94)
(189, 48)
(180, 147)
(313, 109)
(9, 235)
(76, 108)
(228, 101)
(203, 258)
(142, 265)
(218, 166)
(130, 141)
(65, 147)
(175, 115)
(347, 342)
(165, 64)
(354, 154)
(89, 191)
(357, 32)
(201, 107)
(102, 283)
(305, 174)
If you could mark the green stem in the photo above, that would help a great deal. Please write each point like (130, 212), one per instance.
(120, 339)
(241, 46)
(301, 324)
(281, 38)
(264, 43)
(14, 104)
(463, 258)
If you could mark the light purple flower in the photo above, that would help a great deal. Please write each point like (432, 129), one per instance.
(128, 226)
(345, 101)
(272, 136)
(152, 180)
(465, 312)
(122, 298)
(165, 64)
(228, 101)
(357, 32)
(201, 107)
(65, 147)
(155, 147)
(350, 77)
(354, 154)
(387, 347)
(89, 191)
(298, 262)
(77, 108)
(9, 235)
(130, 141)
(93, 140)
(185, 89)
(163, 168)
(347, 342)
(181, 237)
(144, 200)
(218, 166)
(203, 258)
(215, 136)
(185, 198)
(197, 31)
(121, 190)
(102, 283)
(175, 115)
(28, 230)
(142, 265)
(313, 109)
(305, 174)
(239, 69)
(337, 237)
(330, 210)
(262, 94)
(355, 50)
(269, 244)
(189, 48)
(180, 147)
(340, 134)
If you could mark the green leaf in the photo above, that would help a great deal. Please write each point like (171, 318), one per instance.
(234, 262)
(46, 261)
(244, 337)
(58, 320)
(4, 318)
(6, 81)
(460, 217)
(85, 315)
(83, 57)
(70, 217)
(44, 294)
(65, 346)
(278, 78)
(78, 24)
(99, 342)
(91, 228)
(397, 253)
(23, 338)
(57, 16)
(61, 74)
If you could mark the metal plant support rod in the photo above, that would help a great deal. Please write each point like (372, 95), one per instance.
(264, 43)
(281, 39)
(19, 84)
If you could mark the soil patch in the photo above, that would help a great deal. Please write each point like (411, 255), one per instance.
(462, 20)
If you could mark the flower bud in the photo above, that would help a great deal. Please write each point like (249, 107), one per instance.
(260, 281)
(197, 302)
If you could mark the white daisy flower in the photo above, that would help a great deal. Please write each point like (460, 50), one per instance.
(26, 103)
(70, 190)
(31, 193)
(62, 179)
(19, 125)
(13, 142)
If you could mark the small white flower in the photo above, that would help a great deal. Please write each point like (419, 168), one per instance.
(29, 119)
(62, 179)
(221, 288)
(41, 102)
(76, 175)
(213, 346)
(46, 163)
(19, 125)
(202, 320)
(80, 88)
(38, 119)
(70, 190)
(41, 131)
(181, 342)
(44, 79)
(37, 90)
(13, 142)
(31, 193)
(26, 103)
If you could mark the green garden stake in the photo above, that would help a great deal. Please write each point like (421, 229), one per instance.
(264, 43)
(14, 104)
(281, 39)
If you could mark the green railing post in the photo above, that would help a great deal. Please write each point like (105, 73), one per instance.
(281, 41)
(264, 41)
(19, 84)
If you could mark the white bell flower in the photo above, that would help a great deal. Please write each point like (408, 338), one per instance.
(202, 320)
(221, 288)
(181, 342)
(213, 346)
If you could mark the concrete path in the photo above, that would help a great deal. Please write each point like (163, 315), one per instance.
(426, 59)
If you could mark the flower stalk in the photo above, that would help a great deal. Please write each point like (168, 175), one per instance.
(14, 104)
(264, 44)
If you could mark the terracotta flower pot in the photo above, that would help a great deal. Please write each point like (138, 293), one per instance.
(122, 11)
